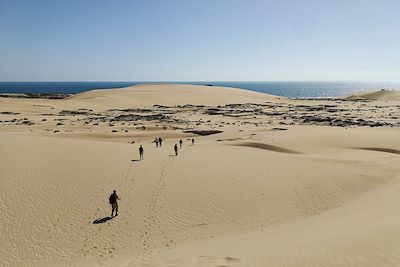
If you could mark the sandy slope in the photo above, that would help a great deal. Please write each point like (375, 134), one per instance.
(305, 196)
(166, 94)
(377, 95)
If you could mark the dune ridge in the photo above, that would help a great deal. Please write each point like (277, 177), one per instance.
(381, 149)
(269, 147)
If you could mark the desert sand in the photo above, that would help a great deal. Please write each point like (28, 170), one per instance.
(270, 181)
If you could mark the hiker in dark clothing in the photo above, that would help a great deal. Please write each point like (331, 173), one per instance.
(141, 152)
(180, 143)
(176, 149)
(160, 141)
(156, 141)
(192, 141)
(114, 204)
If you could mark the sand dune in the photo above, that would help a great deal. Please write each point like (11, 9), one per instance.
(386, 95)
(168, 95)
(246, 195)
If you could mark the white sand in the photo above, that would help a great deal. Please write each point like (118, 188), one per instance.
(165, 94)
(310, 195)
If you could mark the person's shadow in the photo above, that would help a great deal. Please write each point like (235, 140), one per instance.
(102, 220)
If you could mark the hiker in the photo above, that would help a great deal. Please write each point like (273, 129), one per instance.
(180, 143)
(114, 204)
(160, 141)
(176, 149)
(156, 141)
(141, 152)
(192, 141)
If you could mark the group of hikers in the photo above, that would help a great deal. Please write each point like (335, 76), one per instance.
(158, 141)
(113, 199)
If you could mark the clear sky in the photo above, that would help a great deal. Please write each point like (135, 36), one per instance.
(199, 40)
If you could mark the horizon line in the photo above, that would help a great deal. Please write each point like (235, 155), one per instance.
(193, 81)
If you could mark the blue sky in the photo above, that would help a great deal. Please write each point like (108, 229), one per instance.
(204, 40)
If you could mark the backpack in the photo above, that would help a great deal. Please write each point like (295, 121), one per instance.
(112, 198)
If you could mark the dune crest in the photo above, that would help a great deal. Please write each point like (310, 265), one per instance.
(269, 147)
(381, 149)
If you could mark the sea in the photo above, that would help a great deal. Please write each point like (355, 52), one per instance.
(291, 89)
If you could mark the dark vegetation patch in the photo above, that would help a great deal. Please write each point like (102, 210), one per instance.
(203, 132)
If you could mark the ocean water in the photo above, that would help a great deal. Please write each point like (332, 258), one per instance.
(303, 89)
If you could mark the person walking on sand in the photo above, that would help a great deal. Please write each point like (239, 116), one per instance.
(176, 149)
(192, 141)
(180, 143)
(114, 204)
(160, 141)
(156, 141)
(141, 152)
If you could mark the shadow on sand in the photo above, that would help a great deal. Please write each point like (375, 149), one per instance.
(102, 220)
(134, 160)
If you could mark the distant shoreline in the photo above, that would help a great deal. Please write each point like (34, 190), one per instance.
(33, 95)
